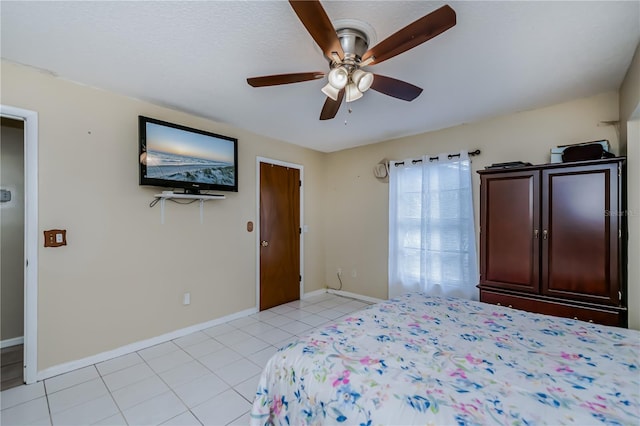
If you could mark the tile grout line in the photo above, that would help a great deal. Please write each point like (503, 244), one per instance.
(188, 409)
(144, 360)
(80, 383)
(178, 396)
(112, 398)
(230, 386)
(46, 395)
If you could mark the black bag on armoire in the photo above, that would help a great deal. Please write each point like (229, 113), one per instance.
(592, 151)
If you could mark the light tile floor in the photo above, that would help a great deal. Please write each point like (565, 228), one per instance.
(205, 378)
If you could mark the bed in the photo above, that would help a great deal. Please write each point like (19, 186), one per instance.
(441, 361)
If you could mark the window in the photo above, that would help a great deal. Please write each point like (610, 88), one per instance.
(432, 244)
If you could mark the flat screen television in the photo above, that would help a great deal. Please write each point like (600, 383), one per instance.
(175, 156)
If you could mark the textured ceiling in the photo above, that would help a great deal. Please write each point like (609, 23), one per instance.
(501, 57)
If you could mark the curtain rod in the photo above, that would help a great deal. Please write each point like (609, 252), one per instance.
(450, 156)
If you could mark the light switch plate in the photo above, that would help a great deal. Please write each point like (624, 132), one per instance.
(55, 238)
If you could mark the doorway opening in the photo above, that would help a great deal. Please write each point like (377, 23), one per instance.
(12, 204)
(20, 195)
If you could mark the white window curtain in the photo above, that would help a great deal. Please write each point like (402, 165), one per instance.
(432, 245)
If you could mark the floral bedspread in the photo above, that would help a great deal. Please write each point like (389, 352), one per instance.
(441, 361)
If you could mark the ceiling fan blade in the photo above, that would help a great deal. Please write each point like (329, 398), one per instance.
(331, 107)
(274, 80)
(396, 88)
(315, 20)
(412, 35)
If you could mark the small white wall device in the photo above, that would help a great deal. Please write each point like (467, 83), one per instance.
(5, 195)
(380, 170)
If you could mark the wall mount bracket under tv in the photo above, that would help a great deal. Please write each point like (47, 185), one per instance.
(171, 195)
(180, 157)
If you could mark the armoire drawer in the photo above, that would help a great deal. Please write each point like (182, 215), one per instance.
(558, 309)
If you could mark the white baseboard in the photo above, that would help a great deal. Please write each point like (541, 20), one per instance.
(133, 347)
(143, 344)
(355, 296)
(11, 342)
(314, 293)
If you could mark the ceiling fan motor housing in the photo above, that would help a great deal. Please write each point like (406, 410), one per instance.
(354, 44)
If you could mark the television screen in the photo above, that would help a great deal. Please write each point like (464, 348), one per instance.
(176, 156)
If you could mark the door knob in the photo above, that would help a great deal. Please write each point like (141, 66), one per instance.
(264, 243)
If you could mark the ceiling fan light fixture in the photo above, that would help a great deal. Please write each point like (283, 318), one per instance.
(330, 91)
(362, 79)
(352, 93)
(338, 77)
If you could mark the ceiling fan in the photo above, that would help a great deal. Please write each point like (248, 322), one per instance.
(347, 50)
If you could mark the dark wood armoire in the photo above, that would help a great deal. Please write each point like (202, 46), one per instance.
(553, 239)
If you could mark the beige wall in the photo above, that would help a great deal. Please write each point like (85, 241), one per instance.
(12, 230)
(357, 214)
(630, 142)
(633, 218)
(630, 96)
(122, 275)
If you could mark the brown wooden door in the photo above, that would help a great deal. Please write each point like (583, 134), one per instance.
(580, 249)
(509, 218)
(279, 235)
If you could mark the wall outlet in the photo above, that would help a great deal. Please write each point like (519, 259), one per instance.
(186, 299)
(339, 271)
(354, 273)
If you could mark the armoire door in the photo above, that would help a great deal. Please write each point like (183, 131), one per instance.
(509, 234)
(580, 233)
(279, 235)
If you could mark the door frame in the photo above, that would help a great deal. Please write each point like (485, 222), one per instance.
(30, 119)
(257, 227)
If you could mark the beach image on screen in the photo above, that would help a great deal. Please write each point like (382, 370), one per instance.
(175, 154)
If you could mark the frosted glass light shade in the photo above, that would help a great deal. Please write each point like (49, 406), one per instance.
(338, 77)
(330, 91)
(362, 79)
(352, 93)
